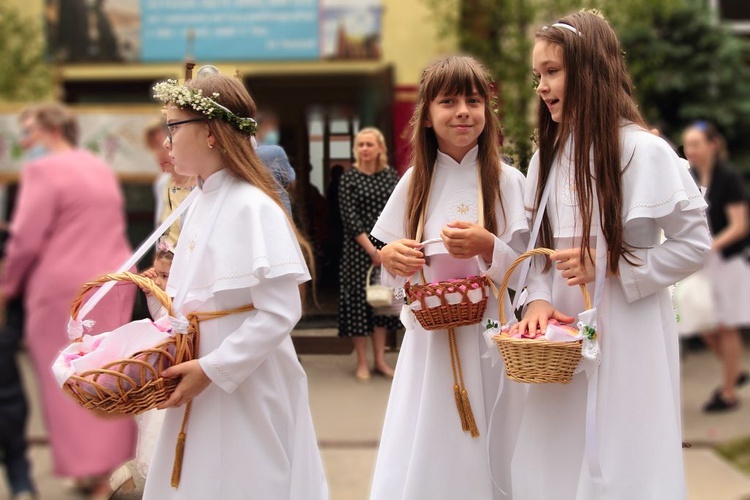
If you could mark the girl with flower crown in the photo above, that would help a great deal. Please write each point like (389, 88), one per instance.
(238, 424)
(614, 432)
(426, 451)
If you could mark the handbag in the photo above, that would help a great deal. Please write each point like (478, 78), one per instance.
(377, 295)
(694, 304)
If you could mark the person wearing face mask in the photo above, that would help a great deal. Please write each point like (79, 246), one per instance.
(273, 156)
(68, 228)
(170, 188)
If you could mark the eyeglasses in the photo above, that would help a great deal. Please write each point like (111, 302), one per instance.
(181, 122)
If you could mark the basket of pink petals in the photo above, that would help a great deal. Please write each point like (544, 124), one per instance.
(448, 304)
(529, 356)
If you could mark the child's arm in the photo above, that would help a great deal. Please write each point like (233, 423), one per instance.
(277, 310)
(155, 308)
(683, 252)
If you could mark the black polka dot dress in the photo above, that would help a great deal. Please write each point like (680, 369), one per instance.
(361, 198)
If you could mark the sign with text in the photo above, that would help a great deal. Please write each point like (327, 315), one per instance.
(213, 30)
(229, 29)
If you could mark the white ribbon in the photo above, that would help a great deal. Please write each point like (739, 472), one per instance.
(492, 353)
(75, 325)
(591, 367)
(179, 322)
(179, 325)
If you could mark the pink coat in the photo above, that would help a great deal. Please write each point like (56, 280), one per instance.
(68, 228)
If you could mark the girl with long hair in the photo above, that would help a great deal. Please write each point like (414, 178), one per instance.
(425, 451)
(240, 412)
(614, 431)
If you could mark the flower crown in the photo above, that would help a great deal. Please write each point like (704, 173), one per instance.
(171, 91)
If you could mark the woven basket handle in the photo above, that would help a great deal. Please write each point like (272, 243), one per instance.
(512, 267)
(141, 281)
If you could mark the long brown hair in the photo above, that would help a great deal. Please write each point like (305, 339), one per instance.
(237, 152)
(598, 95)
(454, 75)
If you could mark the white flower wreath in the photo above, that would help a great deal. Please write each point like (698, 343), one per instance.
(172, 92)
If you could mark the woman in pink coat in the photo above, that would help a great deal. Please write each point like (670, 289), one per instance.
(68, 228)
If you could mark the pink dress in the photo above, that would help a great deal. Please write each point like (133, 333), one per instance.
(68, 228)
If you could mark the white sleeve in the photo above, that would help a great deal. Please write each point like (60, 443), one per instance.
(155, 308)
(683, 252)
(391, 280)
(277, 310)
(514, 236)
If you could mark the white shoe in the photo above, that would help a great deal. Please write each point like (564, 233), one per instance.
(121, 480)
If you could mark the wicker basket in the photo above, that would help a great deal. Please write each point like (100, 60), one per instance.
(448, 315)
(138, 381)
(537, 361)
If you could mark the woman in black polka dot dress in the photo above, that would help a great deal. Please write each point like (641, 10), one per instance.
(363, 193)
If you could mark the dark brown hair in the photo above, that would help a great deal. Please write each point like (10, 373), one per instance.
(598, 96)
(454, 75)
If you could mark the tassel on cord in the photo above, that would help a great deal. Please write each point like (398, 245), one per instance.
(194, 319)
(460, 407)
(471, 424)
(178, 454)
(465, 413)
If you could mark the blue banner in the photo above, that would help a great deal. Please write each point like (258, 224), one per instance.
(229, 30)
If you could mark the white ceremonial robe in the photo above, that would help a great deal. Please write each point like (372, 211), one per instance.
(250, 433)
(638, 425)
(424, 453)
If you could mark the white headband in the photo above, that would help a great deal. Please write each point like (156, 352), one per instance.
(567, 27)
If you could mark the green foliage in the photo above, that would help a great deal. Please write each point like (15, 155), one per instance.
(687, 67)
(24, 73)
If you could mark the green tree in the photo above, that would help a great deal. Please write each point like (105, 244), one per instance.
(688, 67)
(25, 75)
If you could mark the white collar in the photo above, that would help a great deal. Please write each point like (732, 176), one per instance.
(469, 159)
(214, 180)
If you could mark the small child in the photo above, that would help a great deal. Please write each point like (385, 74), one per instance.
(159, 272)
(150, 422)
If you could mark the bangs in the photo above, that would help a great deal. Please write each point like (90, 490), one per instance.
(455, 76)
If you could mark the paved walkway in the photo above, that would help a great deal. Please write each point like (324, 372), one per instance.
(348, 416)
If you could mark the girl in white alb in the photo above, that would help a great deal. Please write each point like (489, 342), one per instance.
(424, 451)
(241, 408)
(614, 432)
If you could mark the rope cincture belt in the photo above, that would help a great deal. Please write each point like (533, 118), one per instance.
(194, 318)
(468, 423)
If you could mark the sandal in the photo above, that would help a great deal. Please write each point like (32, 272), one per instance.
(718, 404)
(742, 379)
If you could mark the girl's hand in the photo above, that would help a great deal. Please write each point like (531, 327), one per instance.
(465, 239)
(149, 273)
(538, 313)
(375, 258)
(576, 268)
(194, 381)
(402, 257)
